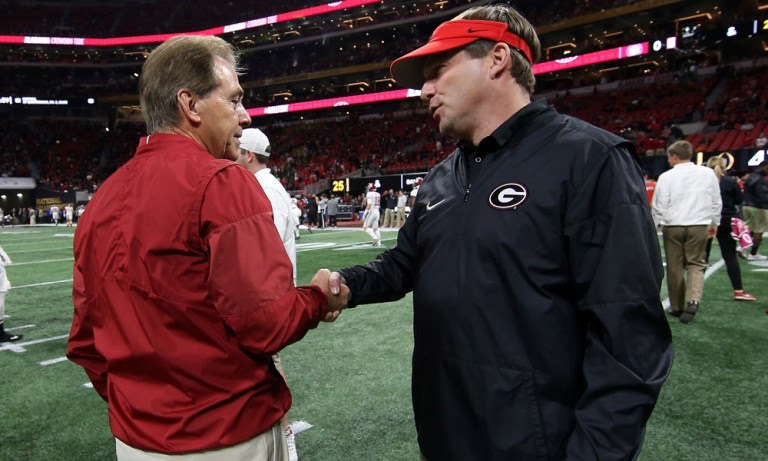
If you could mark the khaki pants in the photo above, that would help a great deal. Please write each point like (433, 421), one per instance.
(389, 217)
(399, 216)
(270, 445)
(686, 250)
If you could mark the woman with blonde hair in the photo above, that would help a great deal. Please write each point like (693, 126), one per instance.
(732, 197)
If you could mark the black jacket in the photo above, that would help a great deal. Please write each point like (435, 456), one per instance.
(732, 197)
(539, 332)
(756, 191)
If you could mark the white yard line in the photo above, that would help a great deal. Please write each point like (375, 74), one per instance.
(43, 261)
(41, 250)
(45, 363)
(20, 327)
(333, 246)
(29, 241)
(19, 347)
(41, 284)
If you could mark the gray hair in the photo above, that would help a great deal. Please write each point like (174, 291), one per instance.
(180, 62)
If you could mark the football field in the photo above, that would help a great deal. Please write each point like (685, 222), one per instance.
(350, 379)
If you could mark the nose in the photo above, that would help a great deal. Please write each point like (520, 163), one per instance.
(243, 119)
(427, 90)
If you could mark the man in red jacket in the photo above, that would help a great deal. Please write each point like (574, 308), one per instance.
(182, 287)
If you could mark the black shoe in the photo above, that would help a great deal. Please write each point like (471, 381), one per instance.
(690, 312)
(674, 313)
(10, 338)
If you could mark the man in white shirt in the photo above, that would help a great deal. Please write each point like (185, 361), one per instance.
(253, 155)
(687, 205)
(372, 214)
(402, 201)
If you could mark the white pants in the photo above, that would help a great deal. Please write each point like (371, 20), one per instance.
(270, 445)
(372, 219)
(2, 305)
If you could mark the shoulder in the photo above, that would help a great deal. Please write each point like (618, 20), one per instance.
(575, 129)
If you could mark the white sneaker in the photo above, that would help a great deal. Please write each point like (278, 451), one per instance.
(757, 257)
(377, 243)
(290, 439)
(300, 426)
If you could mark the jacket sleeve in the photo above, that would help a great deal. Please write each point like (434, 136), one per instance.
(732, 191)
(660, 201)
(250, 276)
(616, 272)
(390, 276)
(716, 200)
(80, 347)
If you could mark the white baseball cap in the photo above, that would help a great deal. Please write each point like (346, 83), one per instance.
(255, 141)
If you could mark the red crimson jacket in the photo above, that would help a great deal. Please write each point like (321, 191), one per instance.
(182, 292)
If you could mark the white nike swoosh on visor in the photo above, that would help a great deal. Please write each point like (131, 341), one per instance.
(431, 206)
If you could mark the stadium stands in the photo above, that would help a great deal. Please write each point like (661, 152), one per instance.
(348, 52)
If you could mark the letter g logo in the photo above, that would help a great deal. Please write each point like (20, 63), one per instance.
(508, 196)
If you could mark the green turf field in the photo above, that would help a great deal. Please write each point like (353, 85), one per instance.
(350, 379)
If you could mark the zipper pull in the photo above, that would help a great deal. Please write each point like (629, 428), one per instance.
(466, 193)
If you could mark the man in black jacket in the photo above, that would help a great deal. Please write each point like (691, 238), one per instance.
(533, 261)
(756, 207)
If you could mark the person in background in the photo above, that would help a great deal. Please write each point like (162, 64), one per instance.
(184, 292)
(322, 210)
(312, 209)
(55, 214)
(402, 201)
(650, 187)
(333, 210)
(761, 141)
(390, 202)
(5, 286)
(731, 197)
(756, 208)
(69, 213)
(371, 214)
(533, 336)
(296, 213)
(687, 205)
(253, 154)
(32, 217)
(414, 191)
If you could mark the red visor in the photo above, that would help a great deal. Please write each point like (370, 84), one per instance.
(408, 70)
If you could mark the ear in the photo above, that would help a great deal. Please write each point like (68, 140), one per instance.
(188, 105)
(501, 60)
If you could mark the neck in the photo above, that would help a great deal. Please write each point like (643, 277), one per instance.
(498, 108)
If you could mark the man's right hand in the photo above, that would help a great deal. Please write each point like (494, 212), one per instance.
(336, 292)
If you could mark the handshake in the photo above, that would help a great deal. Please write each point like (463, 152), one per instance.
(336, 292)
